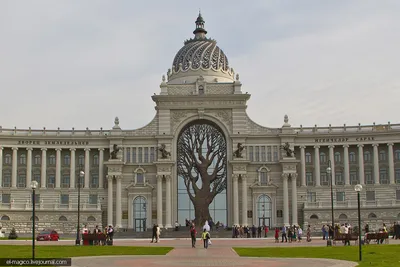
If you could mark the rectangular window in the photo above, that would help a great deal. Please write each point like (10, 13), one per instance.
(36, 177)
(257, 154)
(140, 155)
(370, 195)
(51, 179)
(139, 178)
(311, 197)
(6, 198)
(251, 155)
(93, 198)
(146, 154)
(128, 155)
(382, 155)
(398, 194)
(339, 178)
(37, 160)
(337, 157)
(308, 158)
(263, 158)
(133, 154)
(309, 178)
(65, 181)
(21, 180)
(52, 160)
(368, 177)
(67, 160)
(276, 153)
(383, 177)
(352, 157)
(152, 154)
(7, 179)
(94, 183)
(263, 178)
(397, 174)
(324, 179)
(353, 178)
(64, 199)
(340, 196)
(269, 154)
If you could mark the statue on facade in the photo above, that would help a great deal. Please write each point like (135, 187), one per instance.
(238, 152)
(113, 154)
(164, 152)
(289, 152)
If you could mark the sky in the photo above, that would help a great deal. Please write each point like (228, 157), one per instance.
(71, 63)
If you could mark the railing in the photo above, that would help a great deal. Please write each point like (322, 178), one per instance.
(49, 206)
(344, 129)
(351, 204)
(58, 132)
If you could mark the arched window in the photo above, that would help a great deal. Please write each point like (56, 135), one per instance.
(367, 156)
(338, 158)
(37, 160)
(352, 157)
(52, 160)
(67, 160)
(81, 160)
(22, 159)
(96, 160)
(5, 218)
(36, 218)
(382, 155)
(342, 217)
(7, 159)
(308, 157)
(139, 213)
(322, 157)
(263, 175)
(397, 154)
(91, 219)
(264, 210)
(314, 217)
(62, 219)
(372, 216)
(139, 175)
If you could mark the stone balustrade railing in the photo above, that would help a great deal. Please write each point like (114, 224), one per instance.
(351, 204)
(49, 206)
(344, 129)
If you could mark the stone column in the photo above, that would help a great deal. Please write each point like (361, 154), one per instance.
(118, 200)
(361, 164)
(244, 200)
(294, 200)
(87, 168)
(110, 200)
(159, 200)
(303, 165)
(332, 159)
(29, 167)
(44, 168)
(285, 200)
(235, 199)
(14, 167)
(376, 163)
(346, 165)
(101, 167)
(317, 166)
(168, 200)
(391, 164)
(58, 167)
(1, 166)
(72, 169)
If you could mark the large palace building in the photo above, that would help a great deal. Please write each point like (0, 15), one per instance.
(133, 178)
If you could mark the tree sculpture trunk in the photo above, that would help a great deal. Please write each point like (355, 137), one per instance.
(202, 165)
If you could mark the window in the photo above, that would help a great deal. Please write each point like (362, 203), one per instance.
(65, 181)
(263, 158)
(201, 90)
(353, 178)
(67, 160)
(339, 178)
(308, 157)
(397, 155)
(275, 153)
(340, 196)
(368, 177)
(80, 181)
(370, 195)
(311, 197)
(324, 179)
(322, 157)
(64, 199)
(37, 160)
(21, 180)
(352, 157)
(94, 183)
(37, 199)
(52, 160)
(309, 178)
(146, 154)
(140, 155)
(128, 154)
(397, 174)
(257, 154)
(22, 159)
(398, 195)
(6, 198)
(96, 160)
(263, 177)
(51, 179)
(251, 154)
(134, 155)
(338, 158)
(36, 177)
(7, 159)
(382, 155)
(93, 198)
(139, 178)
(81, 160)
(269, 154)
(6, 179)
(152, 154)
(383, 177)
(367, 156)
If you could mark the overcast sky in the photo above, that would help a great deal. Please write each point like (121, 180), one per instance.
(81, 63)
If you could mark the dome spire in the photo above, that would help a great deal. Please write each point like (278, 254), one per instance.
(200, 32)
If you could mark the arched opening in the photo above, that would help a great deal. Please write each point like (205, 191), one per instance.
(36, 218)
(139, 213)
(62, 219)
(343, 218)
(264, 210)
(202, 173)
(5, 218)
(372, 216)
(313, 217)
(91, 219)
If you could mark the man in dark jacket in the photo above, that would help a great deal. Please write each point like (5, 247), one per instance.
(193, 233)
(154, 236)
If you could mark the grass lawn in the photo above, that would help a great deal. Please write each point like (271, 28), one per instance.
(373, 255)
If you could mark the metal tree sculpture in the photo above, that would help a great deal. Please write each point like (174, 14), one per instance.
(202, 157)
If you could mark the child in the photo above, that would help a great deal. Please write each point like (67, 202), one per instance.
(276, 235)
(206, 237)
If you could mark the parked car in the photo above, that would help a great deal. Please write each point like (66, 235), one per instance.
(48, 235)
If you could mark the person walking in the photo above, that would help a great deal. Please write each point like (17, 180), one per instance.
(154, 236)
(158, 233)
(193, 233)
(206, 238)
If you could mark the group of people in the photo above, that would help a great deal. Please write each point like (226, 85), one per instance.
(239, 231)
(292, 234)
(205, 235)
(108, 235)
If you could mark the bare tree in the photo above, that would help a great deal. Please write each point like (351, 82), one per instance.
(202, 163)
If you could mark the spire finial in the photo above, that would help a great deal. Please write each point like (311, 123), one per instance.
(200, 32)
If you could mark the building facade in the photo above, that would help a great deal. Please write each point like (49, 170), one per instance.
(130, 178)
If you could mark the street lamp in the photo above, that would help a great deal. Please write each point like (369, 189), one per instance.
(34, 184)
(329, 172)
(81, 175)
(358, 189)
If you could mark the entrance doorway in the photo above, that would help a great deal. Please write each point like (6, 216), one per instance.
(140, 225)
(264, 221)
(264, 210)
(139, 214)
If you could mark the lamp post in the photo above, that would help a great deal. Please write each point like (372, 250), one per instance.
(358, 189)
(34, 184)
(329, 172)
(81, 175)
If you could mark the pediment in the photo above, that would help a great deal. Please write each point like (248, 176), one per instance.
(268, 186)
(134, 186)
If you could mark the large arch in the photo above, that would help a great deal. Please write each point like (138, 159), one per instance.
(198, 198)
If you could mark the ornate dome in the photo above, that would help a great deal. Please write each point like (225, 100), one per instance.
(200, 55)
